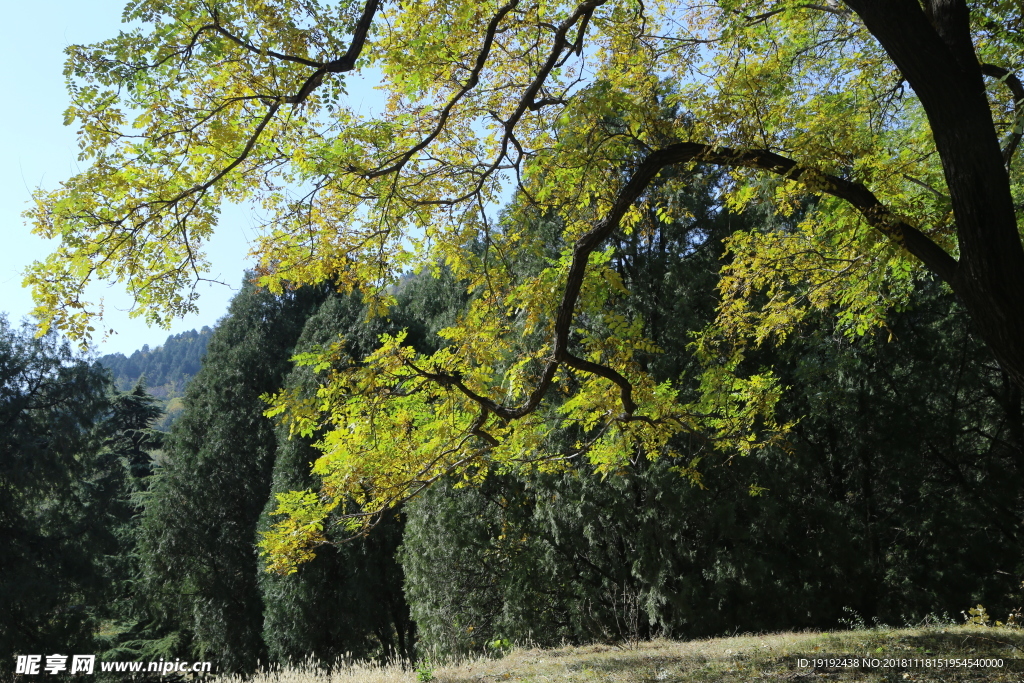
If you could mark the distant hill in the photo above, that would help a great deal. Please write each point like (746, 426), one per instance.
(167, 368)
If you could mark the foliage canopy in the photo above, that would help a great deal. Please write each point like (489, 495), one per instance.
(879, 108)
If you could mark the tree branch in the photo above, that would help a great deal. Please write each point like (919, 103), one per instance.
(347, 61)
(1017, 88)
(874, 212)
(527, 102)
(216, 26)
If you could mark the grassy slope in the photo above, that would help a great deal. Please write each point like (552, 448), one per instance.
(743, 658)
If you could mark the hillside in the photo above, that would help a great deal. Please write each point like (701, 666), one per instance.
(869, 655)
(167, 369)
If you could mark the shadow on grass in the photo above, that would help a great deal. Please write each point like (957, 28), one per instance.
(775, 659)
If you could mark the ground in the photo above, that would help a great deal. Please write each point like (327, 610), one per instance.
(775, 657)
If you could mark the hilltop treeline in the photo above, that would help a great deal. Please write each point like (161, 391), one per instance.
(895, 496)
(166, 370)
(167, 367)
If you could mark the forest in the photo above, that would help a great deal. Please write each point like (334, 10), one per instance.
(568, 321)
(165, 370)
(893, 498)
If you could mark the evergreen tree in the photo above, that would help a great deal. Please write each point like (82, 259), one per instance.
(166, 370)
(503, 562)
(349, 600)
(120, 475)
(205, 498)
(895, 498)
(206, 592)
(50, 575)
(129, 434)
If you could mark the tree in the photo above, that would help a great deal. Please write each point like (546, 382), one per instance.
(878, 108)
(198, 525)
(166, 370)
(348, 602)
(891, 504)
(119, 469)
(52, 522)
(902, 433)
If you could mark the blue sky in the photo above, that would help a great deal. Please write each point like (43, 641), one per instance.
(39, 151)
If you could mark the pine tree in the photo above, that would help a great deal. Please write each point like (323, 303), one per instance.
(120, 471)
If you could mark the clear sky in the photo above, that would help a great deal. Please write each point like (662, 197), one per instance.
(39, 151)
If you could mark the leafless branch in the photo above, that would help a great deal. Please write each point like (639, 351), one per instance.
(1017, 88)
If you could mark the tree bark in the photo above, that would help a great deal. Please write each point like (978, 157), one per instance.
(935, 54)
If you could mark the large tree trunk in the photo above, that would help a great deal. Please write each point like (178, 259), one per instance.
(936, 56)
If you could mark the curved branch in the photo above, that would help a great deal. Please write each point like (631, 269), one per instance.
(347, 62)
(753, 20)
(857, 195)
(344, 63)
(216, 26)
(874, 212)
(625, 388)
(445, 113)
(528, 102)
(477, 428)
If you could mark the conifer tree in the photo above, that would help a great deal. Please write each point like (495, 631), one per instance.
(50, 577)
(120, 471)
(894, 500)
(348, 602)
(205, 499)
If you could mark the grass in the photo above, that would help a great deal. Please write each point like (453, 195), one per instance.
(744, 658)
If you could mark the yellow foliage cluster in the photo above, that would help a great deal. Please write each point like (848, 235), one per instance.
(567, 102)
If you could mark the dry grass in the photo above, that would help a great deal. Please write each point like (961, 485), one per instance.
(744, 658)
